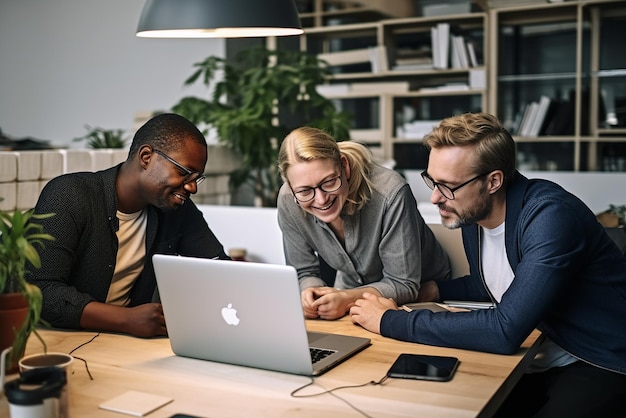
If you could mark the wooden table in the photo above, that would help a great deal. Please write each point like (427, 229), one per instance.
(119, 363)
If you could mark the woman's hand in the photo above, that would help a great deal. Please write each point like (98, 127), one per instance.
(329, 302)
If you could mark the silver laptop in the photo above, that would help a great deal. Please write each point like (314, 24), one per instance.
(244, 313)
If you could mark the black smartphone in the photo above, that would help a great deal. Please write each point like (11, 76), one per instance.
(424, 367)
(183, 416)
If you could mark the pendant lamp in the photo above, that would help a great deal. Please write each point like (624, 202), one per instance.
(218, 19)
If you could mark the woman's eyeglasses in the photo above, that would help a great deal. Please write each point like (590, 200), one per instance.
(327, 186)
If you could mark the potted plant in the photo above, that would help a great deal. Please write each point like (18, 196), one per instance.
(261, 96)
(103, 138)
(20, 301)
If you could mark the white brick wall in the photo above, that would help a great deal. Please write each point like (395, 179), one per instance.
(24, 173)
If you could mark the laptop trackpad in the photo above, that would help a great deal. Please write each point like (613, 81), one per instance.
(316, 337)
(336, 342)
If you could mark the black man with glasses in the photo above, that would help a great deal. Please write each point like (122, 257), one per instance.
(97, 273)
(541, 257)
(359, 217)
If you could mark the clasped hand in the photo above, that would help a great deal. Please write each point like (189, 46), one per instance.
(325, 302)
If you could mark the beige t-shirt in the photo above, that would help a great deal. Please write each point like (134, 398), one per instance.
(130, 256)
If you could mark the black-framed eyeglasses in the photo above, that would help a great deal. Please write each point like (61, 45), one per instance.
(446, 191)
(327, 186)
(189, 175)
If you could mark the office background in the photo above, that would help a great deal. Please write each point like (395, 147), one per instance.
(65, 64)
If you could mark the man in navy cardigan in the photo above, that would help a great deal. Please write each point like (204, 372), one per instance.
(540, 256)
(98, 273)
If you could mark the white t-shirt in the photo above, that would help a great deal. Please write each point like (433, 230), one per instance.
(130, 256)
(498, 277)
(496, 268)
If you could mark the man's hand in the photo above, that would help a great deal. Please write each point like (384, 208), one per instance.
(369, 311)
(141, 321)
(146, 320)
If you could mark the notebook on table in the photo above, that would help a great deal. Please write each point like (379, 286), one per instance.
(244, 313)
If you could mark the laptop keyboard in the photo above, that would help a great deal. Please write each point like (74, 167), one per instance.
(318, 354)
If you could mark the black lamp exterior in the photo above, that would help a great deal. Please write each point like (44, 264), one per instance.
(207, 17)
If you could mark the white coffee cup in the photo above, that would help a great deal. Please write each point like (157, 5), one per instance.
(50, 359)
(52, 406)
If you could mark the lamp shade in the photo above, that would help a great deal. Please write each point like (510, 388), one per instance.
(218, 18)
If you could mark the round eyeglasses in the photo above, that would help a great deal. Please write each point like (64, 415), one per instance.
(446, 191)
(189, 175)
(327, 186)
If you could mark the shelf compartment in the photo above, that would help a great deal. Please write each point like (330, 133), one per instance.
(414, 114)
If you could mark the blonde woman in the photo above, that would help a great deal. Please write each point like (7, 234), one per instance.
(360, 217)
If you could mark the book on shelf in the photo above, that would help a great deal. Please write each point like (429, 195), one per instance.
(416, 129)
(352, 56)
(440, 39)
(550, 112)
(375, 55)
(412, 67)
(528, 124)
(410, 59)
(516, 124)
(477, 79)
(443, 32)
(494, 4)
(373, 88)
(551, 116)
(412, 63)
(333, 89)
(539, 117)
(459, 56)
(434, 39)
(378, 58)
(471, 52)
(455, 58)
(525, 120)
(441, 8)
(381, 87)
(536, 117)
(446, 87)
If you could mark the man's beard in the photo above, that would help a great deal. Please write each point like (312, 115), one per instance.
(473, 214)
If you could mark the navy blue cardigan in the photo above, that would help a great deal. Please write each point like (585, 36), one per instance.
(570, 282)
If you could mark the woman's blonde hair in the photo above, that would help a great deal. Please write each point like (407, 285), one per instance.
(308, 144)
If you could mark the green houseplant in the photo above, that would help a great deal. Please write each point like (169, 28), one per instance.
(103, 138)
(261, 96)
(19, 239)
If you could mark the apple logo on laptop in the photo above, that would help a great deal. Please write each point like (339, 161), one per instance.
(230, 315)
